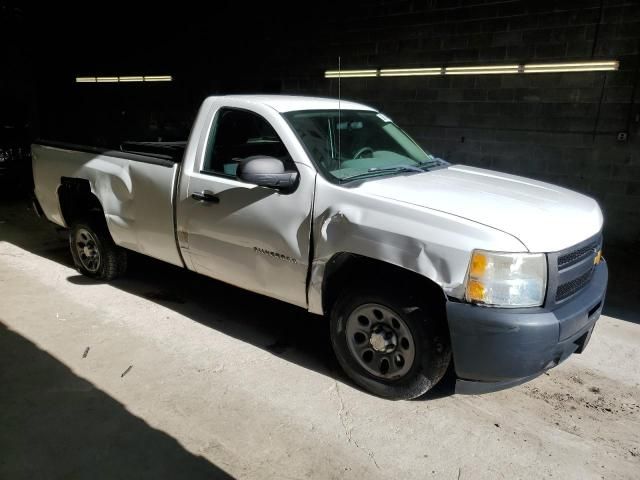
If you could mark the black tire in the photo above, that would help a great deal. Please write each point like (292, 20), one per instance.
(112, 261)
(430, 344)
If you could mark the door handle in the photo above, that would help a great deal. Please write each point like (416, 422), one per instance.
(205, 197)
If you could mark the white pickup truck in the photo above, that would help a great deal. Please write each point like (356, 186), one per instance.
(330, 206)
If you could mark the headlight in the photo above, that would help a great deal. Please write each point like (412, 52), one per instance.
(507, 279)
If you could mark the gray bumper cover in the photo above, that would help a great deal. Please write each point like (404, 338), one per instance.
(496, 348)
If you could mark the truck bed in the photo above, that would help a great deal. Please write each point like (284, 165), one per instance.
(136, 191)
(175, 150)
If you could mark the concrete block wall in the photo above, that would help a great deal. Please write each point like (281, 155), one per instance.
(561, 127)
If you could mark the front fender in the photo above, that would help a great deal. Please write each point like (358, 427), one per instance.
(431, 243)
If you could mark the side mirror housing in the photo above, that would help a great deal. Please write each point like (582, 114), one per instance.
(266, 172)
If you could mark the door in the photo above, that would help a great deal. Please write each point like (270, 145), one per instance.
(253, 237)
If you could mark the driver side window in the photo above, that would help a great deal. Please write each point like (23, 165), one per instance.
(236, 135)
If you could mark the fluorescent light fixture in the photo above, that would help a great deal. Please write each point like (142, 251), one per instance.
(350, 73)
(482, 70)
(585, 66)
(594, 66)
(409, 72)
(131, 79)
(125, 79)
(158, 78)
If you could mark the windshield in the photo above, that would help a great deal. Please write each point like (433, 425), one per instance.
(350, 144)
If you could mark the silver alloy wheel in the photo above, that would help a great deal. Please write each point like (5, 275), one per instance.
(380, 341)
(87, 249)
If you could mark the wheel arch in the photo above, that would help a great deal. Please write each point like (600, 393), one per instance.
(78, 202)
(344, 269)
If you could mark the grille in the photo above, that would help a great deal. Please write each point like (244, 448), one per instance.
(567, 289)
(575, 267)
(576, 255)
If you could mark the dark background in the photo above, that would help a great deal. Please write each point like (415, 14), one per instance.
(562, 128)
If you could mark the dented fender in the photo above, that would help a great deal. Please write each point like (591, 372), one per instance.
(434, 244)
(136, 196)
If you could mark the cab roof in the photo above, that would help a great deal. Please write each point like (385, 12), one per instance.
(289, 103)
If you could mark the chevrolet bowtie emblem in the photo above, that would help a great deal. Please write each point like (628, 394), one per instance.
(598, 257)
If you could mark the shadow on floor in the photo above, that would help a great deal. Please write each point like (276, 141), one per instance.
(56, 422)
(282, 329)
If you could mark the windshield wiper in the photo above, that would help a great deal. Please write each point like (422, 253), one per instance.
(375, 171)
(435, 162)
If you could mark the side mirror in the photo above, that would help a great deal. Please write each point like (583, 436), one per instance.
(266, 172)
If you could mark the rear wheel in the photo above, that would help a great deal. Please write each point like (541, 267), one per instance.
(94, 252)
(388, 344)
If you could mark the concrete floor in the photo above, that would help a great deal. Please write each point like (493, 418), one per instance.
(166, 374)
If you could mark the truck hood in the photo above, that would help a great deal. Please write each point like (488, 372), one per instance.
(544, 217)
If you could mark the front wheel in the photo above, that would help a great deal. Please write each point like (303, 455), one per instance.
(94, 252)
(388, 344)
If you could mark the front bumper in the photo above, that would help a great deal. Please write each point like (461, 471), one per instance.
(496, 348)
